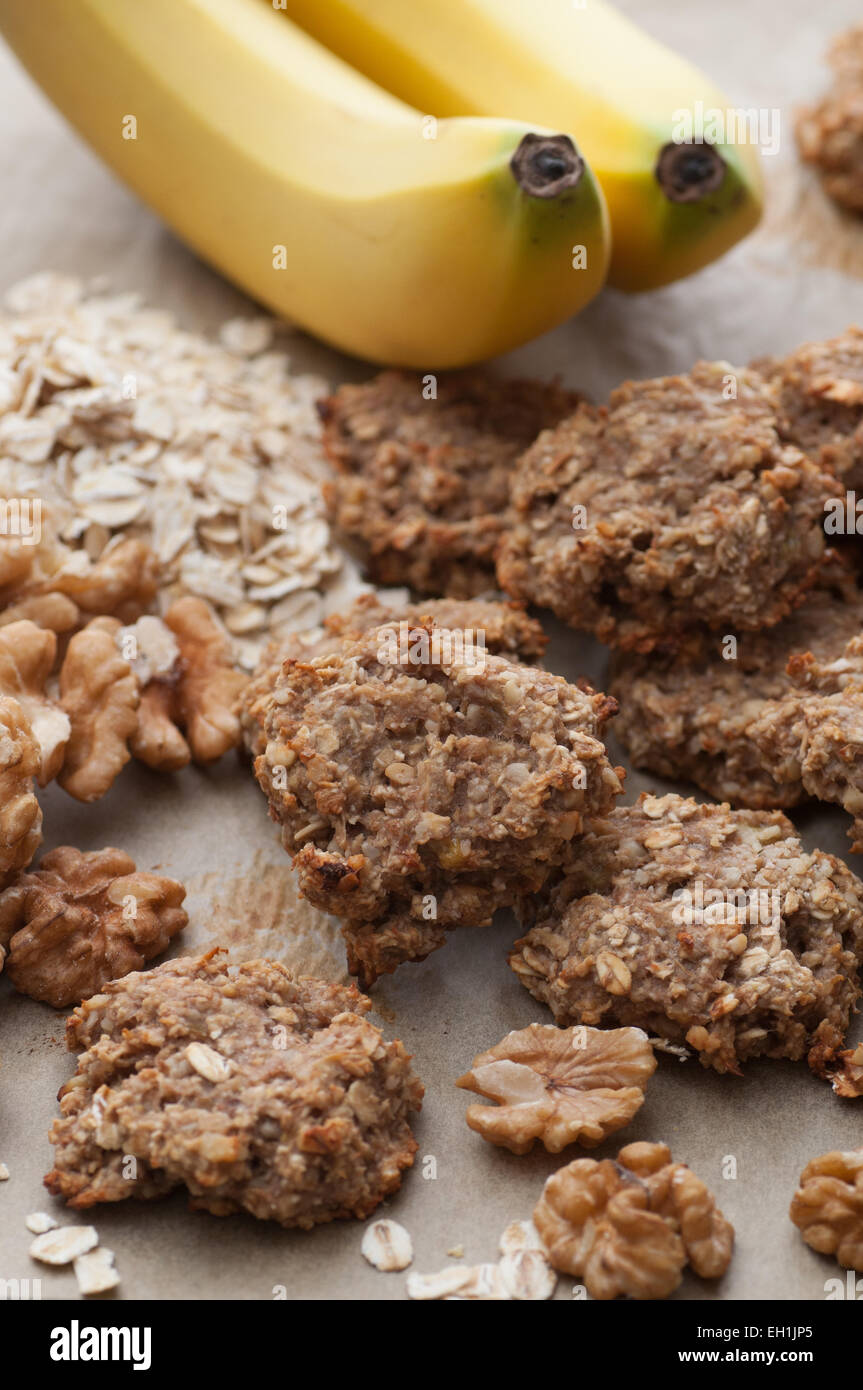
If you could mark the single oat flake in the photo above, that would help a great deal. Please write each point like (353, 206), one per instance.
(443, 1284)
(96, 1272)
(518, 1237)
(64, 1244)
(207, 1062)
(527, 1276)
(387, 1245)
(39, 1222)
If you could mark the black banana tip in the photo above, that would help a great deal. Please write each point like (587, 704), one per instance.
(544, 166)
(689, 171)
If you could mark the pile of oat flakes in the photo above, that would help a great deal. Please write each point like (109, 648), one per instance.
(124, 425)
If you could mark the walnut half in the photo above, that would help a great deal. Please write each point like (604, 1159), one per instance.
(99, 694)
(559, 1085)
(207, 696)
(828, 1206)
(59, 588)
(20, 816)
(630, 1226)
(27, 654)
(189, 687)
(80, 920)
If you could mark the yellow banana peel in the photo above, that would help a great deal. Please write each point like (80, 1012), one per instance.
(410, 242)
(675, 203)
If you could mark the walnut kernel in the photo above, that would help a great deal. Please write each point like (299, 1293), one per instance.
(629, 1227)
(208, 692)
(99, 693)
(828, 1206)
(80, 920)
(27, 654)
(20, 816)
(559, 1085)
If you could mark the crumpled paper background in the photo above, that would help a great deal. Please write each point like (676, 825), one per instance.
(799, 277)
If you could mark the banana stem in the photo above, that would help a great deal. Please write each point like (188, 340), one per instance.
(689, 171)
(544, 166)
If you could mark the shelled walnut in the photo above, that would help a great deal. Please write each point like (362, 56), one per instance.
(190, 688)
(27, 655)
(828, 1206)
(20, 816)
(122, 583)
(207, 693)
(100, 695)
(630, 1226)
(154, 655)
(59, 588)
(29, 565)
(178, 677)
(559, 1085)
(80, 920)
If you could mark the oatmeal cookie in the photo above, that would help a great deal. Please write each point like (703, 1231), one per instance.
(257, 1091)
(424, 484)
(830, 133)
(674, 504)
(818, 729)
(418, 792)
(824, 729)
(723, 722)
(819, 391)
(703, 925)
(500, 627)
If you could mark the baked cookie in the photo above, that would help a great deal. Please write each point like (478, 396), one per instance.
(677, 503)
(820, 402)
(424, 484)
(500, 627)
(419, 790)
(256, 1091)
(704, 925)
(824, 727)
(830, 133)
(717, 714)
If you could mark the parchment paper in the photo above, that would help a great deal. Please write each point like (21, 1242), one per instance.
(800, 276)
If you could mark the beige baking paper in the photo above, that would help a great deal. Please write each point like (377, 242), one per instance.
(801, 276)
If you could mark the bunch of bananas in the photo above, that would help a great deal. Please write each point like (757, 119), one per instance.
(344, 161)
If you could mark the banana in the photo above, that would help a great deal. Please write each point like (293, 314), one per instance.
(581, 67)
(319, 194)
